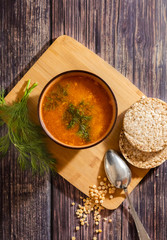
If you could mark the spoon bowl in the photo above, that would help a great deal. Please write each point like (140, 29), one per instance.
(119, 174)
(117, 170)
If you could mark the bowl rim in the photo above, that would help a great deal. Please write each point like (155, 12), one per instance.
(83, 146)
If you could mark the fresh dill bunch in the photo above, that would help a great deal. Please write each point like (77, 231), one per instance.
(27, 137)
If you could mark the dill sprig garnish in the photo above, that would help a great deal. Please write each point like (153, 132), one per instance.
(27, 137)
(56, 96)
(78, 115)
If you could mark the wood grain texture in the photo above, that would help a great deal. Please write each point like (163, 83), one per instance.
(81, 168)
(130, 35)
(24, 199)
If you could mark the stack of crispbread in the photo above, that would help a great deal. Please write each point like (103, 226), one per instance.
(143, 140)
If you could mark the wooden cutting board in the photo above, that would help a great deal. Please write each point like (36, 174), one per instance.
(81, 167)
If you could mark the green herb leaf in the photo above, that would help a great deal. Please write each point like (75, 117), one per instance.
(56, 96)
(27, 137)
(76, 115)
(4, 144)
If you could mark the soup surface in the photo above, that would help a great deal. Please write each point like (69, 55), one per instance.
(76, 110)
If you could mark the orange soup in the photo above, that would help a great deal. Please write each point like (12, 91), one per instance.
(76, 110)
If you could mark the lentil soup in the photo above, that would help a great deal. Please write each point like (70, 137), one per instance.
(76, 110)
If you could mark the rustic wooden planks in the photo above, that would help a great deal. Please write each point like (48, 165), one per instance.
(130, 35)
(81, 167)
(24, 199)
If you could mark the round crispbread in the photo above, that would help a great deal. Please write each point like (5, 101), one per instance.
(145, 124)
(138, 158)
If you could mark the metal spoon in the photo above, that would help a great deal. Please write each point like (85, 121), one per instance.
(119, 175)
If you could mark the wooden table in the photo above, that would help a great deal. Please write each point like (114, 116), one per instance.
(131, 36)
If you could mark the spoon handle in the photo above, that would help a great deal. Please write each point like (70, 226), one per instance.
(143, 235)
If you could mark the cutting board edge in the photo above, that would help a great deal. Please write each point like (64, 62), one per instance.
(118, 202)
(59, 40)
(66, 38)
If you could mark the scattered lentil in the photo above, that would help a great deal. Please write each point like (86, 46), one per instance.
(93, 203)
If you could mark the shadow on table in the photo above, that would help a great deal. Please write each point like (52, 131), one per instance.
(29, 65)
(65, 194)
